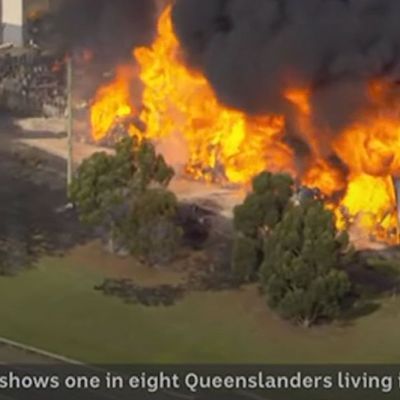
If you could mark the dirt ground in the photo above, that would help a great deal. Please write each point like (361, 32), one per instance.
(48, 135)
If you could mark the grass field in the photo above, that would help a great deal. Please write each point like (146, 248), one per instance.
(55, 307)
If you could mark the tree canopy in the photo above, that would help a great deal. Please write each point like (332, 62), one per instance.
(126, 194)
(302, 273)
(255, 219)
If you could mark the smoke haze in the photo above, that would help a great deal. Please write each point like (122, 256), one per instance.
(109, 27)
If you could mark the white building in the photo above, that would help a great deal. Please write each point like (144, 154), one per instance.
(13, 14)
(12, 21)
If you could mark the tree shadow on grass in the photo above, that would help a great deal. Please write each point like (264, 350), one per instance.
(209, 274)
(375, 277)
(359, 310)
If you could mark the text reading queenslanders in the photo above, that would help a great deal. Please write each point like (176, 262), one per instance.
(195, 382)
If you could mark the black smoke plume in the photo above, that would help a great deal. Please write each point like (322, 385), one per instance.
(110, 28)
(253, 50)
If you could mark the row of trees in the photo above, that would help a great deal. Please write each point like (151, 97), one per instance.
(292, 250)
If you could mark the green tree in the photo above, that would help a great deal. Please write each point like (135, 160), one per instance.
(246, 257)
(111, 189)
(302, 273)
(255, 219)
(150, 230)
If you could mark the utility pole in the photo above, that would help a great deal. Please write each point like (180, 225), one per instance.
(69, 122)
(396, 185)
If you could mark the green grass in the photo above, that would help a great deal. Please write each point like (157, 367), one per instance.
(54, 307)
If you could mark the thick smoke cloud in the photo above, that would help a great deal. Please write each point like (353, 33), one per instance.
(252, 50)
(109, 27)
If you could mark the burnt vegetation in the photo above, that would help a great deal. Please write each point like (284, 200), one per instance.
(35, 220)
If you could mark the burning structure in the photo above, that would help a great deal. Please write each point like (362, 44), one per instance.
(230, 88)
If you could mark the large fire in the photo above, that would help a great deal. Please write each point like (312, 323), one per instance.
(228, 145)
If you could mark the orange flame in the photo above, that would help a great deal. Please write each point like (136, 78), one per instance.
(112, 102)
(370, 150)
(181, 101)
(225, 144)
